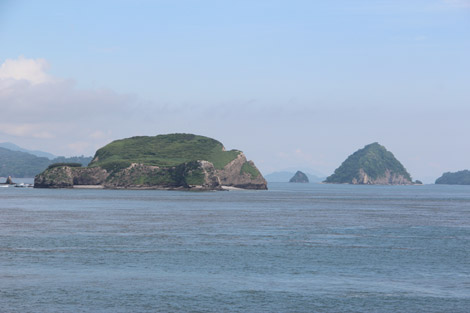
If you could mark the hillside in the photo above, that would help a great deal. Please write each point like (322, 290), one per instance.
(372, 164)
(174, 161)
(457, 178)
(22, 164)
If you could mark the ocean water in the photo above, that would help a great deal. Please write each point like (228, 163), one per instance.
(293, 248)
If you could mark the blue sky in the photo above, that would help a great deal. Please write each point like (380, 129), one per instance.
(294, 84)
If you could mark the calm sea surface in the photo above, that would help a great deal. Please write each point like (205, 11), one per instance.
(294, 248)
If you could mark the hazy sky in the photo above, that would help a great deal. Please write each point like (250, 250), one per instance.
(294, 84)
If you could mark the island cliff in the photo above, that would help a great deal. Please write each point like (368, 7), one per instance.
(371, 165)
(174, 161)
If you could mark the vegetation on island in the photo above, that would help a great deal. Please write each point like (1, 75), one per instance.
(373, 160)
(249, 169)
(456, 178)
(71, 164)
(83, 160)
(163, 151)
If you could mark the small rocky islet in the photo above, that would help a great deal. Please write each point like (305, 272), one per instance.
(9, 181)
(299, 177)
(173, 161)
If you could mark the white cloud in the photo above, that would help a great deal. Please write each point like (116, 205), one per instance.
(35, 105)
(31, 70)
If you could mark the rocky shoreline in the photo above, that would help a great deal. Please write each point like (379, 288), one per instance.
(145, 177)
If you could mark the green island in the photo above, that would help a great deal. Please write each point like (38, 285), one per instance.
(371, 165)
(173, 161)
(456, 178)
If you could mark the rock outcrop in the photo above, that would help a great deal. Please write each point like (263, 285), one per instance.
(9, 181)
(241, 173)
(67, 177)
(299, 177)
(388, 178)
(152, 169)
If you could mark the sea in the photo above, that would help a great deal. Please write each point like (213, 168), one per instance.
(292, 248)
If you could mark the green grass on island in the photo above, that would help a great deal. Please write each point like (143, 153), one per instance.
(250, 169)
(162, 150)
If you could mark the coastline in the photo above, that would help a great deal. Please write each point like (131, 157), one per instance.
(87, 187)
(191, 188)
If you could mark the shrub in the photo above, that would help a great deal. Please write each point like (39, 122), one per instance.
(64, 164)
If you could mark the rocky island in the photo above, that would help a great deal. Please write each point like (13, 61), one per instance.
(174, 161)
(371, 165)
(457, 178)
(299, 177)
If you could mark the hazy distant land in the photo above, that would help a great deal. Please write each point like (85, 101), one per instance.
(457, 178)
(23, 164)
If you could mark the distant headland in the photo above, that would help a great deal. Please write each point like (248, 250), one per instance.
(457, 178)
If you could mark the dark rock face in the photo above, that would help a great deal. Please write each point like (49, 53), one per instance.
(299, 177)
(141, 176)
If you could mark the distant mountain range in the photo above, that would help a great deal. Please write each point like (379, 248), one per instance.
(18, 163)
(13, 147)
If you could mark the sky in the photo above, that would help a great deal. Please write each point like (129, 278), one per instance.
(294, 84)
